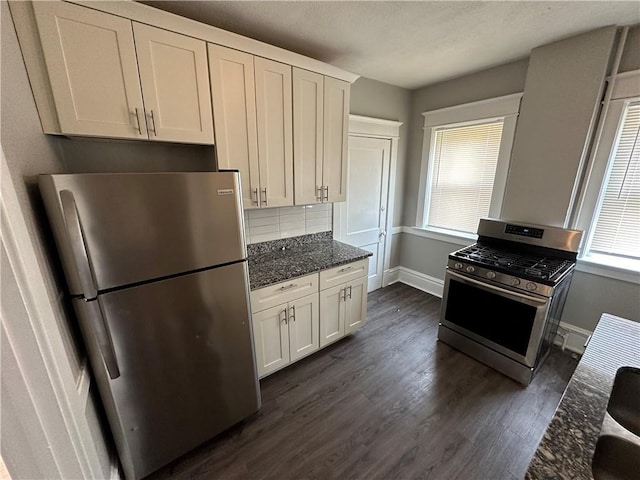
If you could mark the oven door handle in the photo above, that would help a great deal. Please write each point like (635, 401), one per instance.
(488, 286)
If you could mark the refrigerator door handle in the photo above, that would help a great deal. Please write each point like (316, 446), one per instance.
(103, 337)
(78, 247)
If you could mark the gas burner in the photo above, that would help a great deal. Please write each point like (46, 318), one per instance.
(517, 263)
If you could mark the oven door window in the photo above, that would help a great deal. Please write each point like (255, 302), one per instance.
(504, 321)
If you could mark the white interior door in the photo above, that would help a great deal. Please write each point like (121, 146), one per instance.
(362, 220)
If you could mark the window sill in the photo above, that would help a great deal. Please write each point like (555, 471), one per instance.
(610, 267)
(449, 236)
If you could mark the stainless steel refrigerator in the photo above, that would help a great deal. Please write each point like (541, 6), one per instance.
(156, 265)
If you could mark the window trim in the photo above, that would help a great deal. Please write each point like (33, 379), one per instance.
(599, 263)
(506, 108)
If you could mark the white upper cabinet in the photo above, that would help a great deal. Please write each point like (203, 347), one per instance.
(175, 84)
(336, 136)
(320, 117)
(234, 111)
(308, 94)
(93, 71)
(101, 87)
(275, 132)
(253, 124)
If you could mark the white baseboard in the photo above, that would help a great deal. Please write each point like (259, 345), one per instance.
(390, 276)
(572, 338)
(432, 285)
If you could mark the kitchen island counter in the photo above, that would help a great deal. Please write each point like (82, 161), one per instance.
(280, 260)
(568, 444)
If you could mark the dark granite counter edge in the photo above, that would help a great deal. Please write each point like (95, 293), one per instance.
(301, 256)
(568, 444)
(256, 285)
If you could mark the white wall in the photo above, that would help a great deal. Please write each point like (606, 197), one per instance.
(562, 95)
(42, 363)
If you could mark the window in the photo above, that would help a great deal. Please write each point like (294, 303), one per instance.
(615, 229)
(465, 159)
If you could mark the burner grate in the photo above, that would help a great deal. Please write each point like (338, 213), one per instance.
(515, 263)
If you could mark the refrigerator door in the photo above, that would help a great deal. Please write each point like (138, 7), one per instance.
(184, 356)
(121, 229)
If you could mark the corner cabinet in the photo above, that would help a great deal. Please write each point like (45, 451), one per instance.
(111, 77)
(320, 125)
(296, 318)
(254, 130)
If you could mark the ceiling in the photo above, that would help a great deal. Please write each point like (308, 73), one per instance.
(405, 43)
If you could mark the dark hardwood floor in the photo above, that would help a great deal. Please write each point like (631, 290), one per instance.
(388, 402)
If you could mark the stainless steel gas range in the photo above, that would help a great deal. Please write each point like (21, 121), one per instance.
(503, 296)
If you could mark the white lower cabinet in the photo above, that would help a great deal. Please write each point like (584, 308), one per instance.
(343, 310)
(297, 317)
(286, 333)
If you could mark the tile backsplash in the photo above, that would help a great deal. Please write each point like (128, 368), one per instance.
(264, 224)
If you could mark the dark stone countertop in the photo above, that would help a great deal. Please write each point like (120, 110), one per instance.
(301, 256)
(568, 444)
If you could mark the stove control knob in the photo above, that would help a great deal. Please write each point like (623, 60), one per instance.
(470, 269)
(515, 282)
(531, 286)
(491, 274)
(457, 265)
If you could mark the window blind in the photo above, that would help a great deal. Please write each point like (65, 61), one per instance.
(617, 228)
(463, 170)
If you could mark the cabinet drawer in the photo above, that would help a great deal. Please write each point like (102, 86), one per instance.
(343, 273)
(283, 292)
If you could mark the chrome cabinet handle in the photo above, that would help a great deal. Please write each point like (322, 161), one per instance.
(284, 317)
(153, 123)
(345, 269)
(349, 292)
(138, 121)
(254, 191)
(326, 194)
(343, 293)
(266, 203)
(78, 246)
(319, 191)
(292, 313)
(288, 287)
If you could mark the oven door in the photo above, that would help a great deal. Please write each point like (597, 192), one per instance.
(506, 321)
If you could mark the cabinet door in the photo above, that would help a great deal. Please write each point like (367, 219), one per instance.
(275, 134)
(175, 85)
(308, 106)
(92, 67)
(234, 113)
(271, 337)
(332, 311)
(356, 305)
(304, 326)
(336, 136)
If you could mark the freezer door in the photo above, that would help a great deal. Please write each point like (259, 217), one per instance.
(183, 349)
(121, 229)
